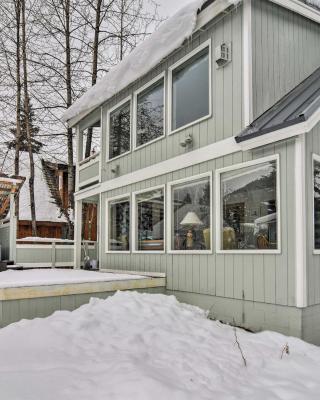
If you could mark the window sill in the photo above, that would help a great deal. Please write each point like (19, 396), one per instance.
(109, 160)
(253, 252)
(148, 143)
(202, 119)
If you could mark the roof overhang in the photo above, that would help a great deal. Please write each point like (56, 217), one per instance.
(300, 8)
(281, 134)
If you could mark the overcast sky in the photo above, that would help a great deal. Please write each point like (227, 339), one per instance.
(169, 7)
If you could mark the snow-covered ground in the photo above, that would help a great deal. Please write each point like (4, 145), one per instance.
(141, 347)
(39, 277)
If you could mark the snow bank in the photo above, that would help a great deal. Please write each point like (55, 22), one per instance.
(167, 38)
(140, 347)
(40, 277)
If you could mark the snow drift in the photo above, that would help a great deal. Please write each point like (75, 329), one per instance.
(140, 346)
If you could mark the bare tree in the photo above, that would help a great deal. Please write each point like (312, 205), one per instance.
(27, 112)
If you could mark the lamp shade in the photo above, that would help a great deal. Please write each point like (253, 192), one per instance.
(191, 219)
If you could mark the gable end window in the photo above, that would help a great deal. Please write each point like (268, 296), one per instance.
(119, 130)
(150, 113)
(190, 89)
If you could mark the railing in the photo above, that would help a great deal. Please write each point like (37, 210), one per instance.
(50, 253)
(88, 170)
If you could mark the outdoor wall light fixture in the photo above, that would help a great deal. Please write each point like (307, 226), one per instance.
(187, 142)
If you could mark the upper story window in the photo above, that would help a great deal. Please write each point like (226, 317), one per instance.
(150, 113)
(190, 88)
(316, 201)
(249, 207)
(119, 129)
(88, 146)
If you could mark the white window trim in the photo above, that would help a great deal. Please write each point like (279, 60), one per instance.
(170, 72)
(315, 157)
(169, 208)
(149, 84)
(114, 108)
(218, 214)
(126, 196)
(134, 220)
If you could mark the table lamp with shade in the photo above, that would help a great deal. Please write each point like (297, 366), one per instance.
(190, 221)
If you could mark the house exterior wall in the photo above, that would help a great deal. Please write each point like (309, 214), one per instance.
(226, 119)
(313, 260)
(267, 278)
(285, 50)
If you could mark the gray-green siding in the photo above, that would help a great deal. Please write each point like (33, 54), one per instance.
(89, 172)
(263, 278)
(226, 90)
(285, 50)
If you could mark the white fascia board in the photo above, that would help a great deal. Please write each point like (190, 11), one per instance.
(210, 152)
(301, 8)
(301, 226)
(211, 12)
(282, 134)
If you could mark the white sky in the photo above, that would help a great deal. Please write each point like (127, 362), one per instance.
(169, 7)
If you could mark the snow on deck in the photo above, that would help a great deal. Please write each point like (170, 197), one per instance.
(48, 277)
(140, 346)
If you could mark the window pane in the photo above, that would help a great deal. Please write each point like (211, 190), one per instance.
(191, 227)
(190, 90)
(91, 140)
(249, 208)
(150, 108)
(119, 226)
(316, 204)
(150, 221)
(119, 140)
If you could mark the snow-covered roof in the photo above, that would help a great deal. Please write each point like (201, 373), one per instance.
(315, 3)
(168, 37)
(46, 210)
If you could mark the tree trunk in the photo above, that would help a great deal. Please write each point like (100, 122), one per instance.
(69, 102)
(27, 113)
(94, 67)
(18, 97)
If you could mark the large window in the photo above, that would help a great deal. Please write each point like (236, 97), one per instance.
(190, 90)
(316, 185)
(119, 225)
(191, 215)
(150, 113)
(149, 224)
(249, 208)
(119, 130)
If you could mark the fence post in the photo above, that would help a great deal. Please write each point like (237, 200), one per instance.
(53, 254)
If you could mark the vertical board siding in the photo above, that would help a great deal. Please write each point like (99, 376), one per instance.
(226, 119)
(285, 51)
(313, 260)
(268, 278)
(5, 241)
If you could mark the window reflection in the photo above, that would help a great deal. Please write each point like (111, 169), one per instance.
(119, 131)
(119, 225)
(316, 177)
(150, 106)
(150, 221)
(249, 208)
(191, 227)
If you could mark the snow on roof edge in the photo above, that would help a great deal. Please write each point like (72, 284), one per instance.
(168, 37)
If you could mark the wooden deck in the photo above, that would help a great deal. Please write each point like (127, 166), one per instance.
(28, 302)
